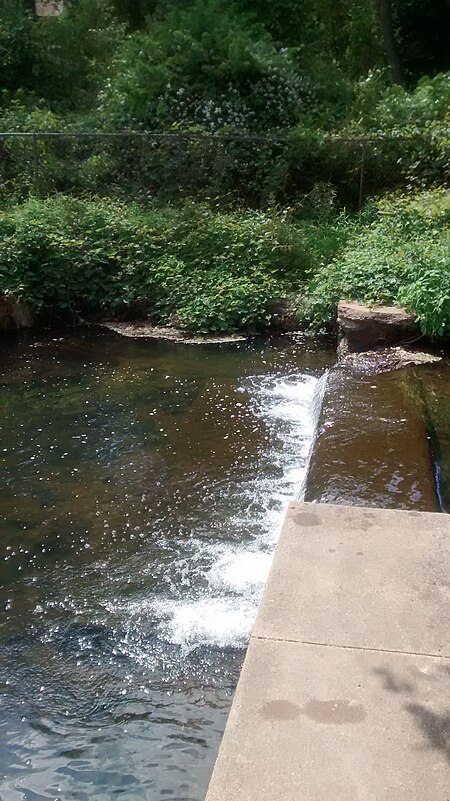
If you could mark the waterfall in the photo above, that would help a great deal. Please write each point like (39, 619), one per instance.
(227, 574)
(316, 408)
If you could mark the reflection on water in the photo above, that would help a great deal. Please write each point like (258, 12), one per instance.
(143, 489)
(373, 439)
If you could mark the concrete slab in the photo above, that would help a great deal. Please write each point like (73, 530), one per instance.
(365, 578)
(345, 690)
(311, 723)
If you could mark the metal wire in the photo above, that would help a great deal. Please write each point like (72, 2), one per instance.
(278, 168)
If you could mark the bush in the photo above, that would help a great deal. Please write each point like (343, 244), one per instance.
(401, 256)
(49, 163)
(400, 112)
(208, 66)
(212, 271)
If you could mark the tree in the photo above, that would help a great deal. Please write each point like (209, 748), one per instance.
(385, 17)
(72, 53)
(16, 56)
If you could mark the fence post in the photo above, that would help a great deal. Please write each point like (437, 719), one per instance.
(35, 164)
(361, 178)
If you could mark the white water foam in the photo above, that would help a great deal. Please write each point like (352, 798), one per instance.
(224, 613)
(220, 622)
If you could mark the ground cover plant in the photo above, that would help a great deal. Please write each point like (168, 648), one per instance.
(216, 271)
(203, 269)
(400, 256)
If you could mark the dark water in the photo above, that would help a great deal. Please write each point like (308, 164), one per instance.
(383, 439)
(143, 486)
(436, 395)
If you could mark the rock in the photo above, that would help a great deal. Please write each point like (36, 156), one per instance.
(363, 328)
(384, 360)
(143, 329)
(13, 314)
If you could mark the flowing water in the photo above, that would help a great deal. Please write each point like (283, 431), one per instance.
(374, 432)
(143, 489)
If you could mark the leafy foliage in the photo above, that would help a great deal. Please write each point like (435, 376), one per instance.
(401, 256)
(56, 62)
(396, 110)
(311, 75)
(16, 29)
(206, 66)
(72, 53)
(45, 164)
(210, 271)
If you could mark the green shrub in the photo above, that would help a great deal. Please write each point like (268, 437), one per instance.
(53, 163)
(211, 271)
(226, 303)
(403, 112)
(401, 256)
(206, 65)
(411, 129)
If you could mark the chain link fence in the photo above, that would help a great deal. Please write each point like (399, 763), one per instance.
(228, 169)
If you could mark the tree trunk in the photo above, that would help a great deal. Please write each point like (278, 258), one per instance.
(385, 18)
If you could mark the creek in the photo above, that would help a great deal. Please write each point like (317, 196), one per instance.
(144, 485)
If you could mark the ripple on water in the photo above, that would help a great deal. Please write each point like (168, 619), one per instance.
(145, 489)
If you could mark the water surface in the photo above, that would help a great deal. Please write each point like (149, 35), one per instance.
(143, 488)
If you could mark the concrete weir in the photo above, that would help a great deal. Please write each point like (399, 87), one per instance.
(345, 690)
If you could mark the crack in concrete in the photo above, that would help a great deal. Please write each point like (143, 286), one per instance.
(350, 647)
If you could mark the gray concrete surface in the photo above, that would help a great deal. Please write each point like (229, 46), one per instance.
(345, 691)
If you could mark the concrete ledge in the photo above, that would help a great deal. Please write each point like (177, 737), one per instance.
(372, 443)
(359, 577)
(345, 690)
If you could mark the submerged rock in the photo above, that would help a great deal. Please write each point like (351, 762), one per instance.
(362, 328)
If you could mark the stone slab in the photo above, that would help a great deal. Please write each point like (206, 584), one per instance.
(352, 312)
(364, 327)
(360, 577)
(311, 723)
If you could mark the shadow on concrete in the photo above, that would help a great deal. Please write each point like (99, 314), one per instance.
(433, 725)
(392, 683)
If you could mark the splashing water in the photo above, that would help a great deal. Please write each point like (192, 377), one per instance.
(145, 487)
(235, 573)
